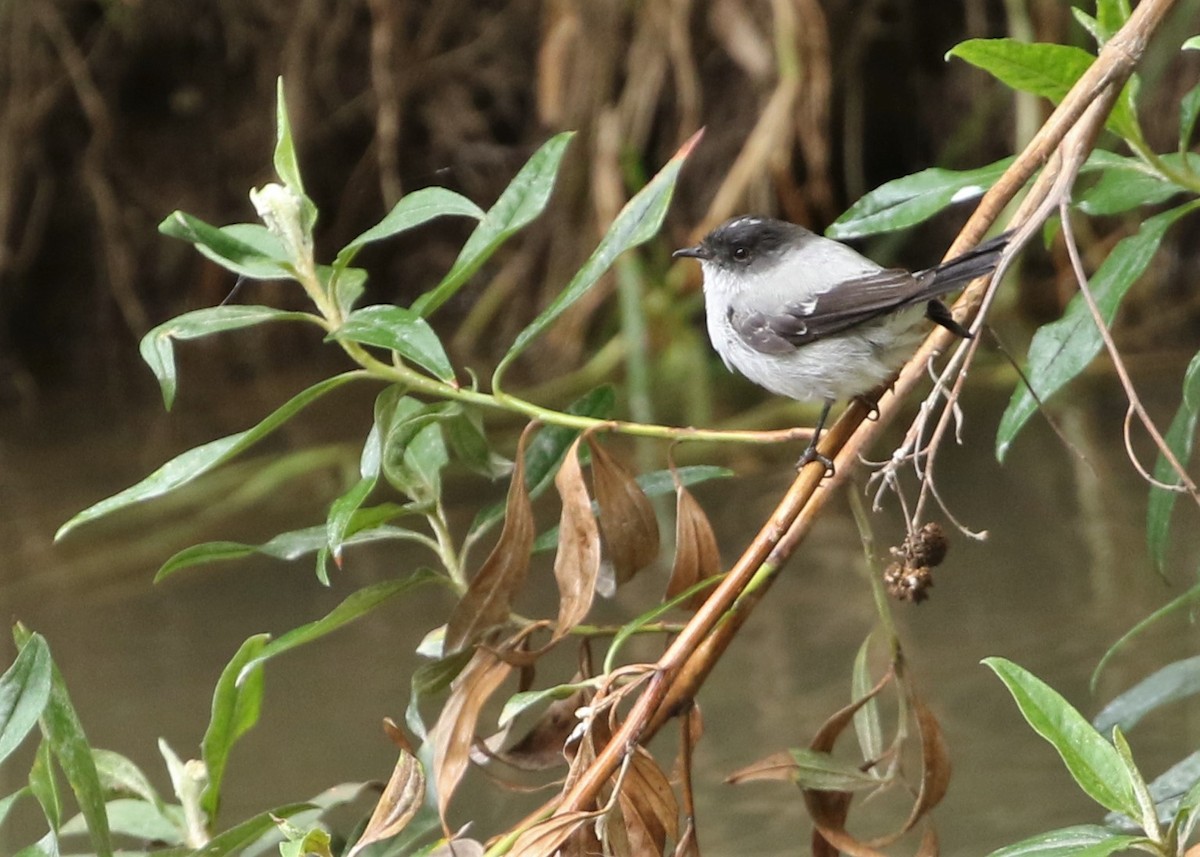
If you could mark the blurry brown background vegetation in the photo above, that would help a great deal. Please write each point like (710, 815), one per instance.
(113, 114)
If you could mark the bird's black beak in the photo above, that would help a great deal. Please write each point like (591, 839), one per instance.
(697, 252)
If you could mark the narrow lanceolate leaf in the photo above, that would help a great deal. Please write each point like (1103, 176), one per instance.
(1092, 761)
(523, 200)
(235, 840)
(546, 838)
(119, 775)
(411, 211)
(287, 546)
(64, 735)
(1189, 111)
(1084, 840)
(626, 516)
(577, 562)
(697, 556)
(1180, 438)
(287, 164)
(1173, 682)
(907, 201)
(400, 801)
(1185, 599)
(1060, 350)
(1048, 70)
(45, 788)
(235, 709)
(228, 247)
(401, 330)
(489, 596)
(811, 769)
(355, 606)
(24, 692)
(196, 462)
(454, 733)
(636, 223)
(158, 346)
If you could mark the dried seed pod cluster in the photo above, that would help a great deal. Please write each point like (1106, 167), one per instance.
(910, 576)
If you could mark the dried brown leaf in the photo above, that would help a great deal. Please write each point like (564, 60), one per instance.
(688, 845)
(454, 732)
(697, 556)
(546, 837)
(458, 847)
(626, 515)
(577, 563)
(935, 760)
(777, 766)
(648, 806)
(403, 796)
(488, 599)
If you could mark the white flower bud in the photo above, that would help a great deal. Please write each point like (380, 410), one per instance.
(279, 209)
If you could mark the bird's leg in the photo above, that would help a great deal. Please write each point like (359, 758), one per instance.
(810, 454)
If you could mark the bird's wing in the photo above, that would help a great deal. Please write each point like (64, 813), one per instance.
(846, 305)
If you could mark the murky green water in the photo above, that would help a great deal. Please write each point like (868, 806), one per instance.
(1062, 574)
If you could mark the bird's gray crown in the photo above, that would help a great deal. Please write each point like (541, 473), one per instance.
(752, 242)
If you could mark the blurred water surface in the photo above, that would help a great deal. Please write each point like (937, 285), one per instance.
(1061, 575)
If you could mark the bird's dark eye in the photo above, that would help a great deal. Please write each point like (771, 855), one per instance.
(741, 254)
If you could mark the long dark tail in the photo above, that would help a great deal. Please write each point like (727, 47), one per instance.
(962, 269)
(956, 272)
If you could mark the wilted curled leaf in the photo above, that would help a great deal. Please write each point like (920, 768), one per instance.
(648, 807)
(454, 733)
(488, 600)
(403, 796)
(545, 838)
(626, 516)
(577, 563)
(697, 556)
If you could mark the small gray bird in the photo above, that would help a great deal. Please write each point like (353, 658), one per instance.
(809, 318)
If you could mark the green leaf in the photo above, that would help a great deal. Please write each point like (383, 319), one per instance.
(120, 776)
(24, 692)
(914, 199)
(1180, 601)
(196, 462)
(43, 785)
(414, 451)
(286, 546)
(401, 330)
(1189, 110)
(1085, 840)
(523, 200)
(636, 223)
(820, 771)
(867, 726)
(467, 440)
(1048, 70)
(1090, 24)
(136, 818)
(411, 211)
(234, 840)
(1132, 183)
(1148, 820)
(1173, 682)
(1180, 438)
(157, 346)
(1093, 762)
(231, 247)
(1191, 44)
(1060, 350)
(355, 606)
(1111, 15)
(64, 735)
(8, 802)
(344, 508)
(287, 165)
(519, 703)
(236, 705)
